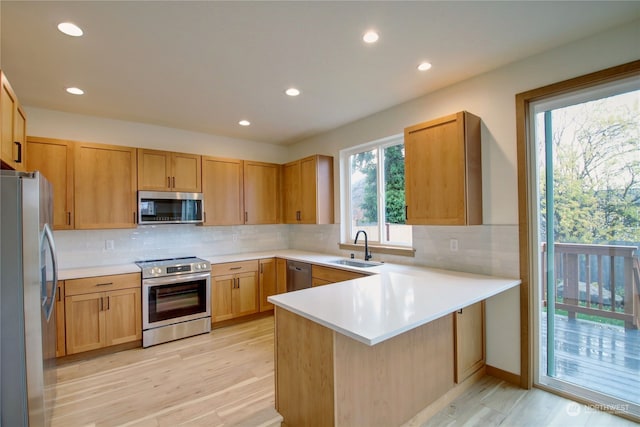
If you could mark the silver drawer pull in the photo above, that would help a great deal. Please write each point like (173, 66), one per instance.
(105, 284)
(235, 268)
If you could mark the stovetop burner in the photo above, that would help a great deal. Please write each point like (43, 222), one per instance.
(172, 266)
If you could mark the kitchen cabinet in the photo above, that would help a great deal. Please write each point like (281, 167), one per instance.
(308, 191)
(105, 185)
(169, 171)
(54, 159)
(102, 311)
(234, 290)
(321, 275)
(261, 192)
(61, 347)
(469, 348)
(281, 275)
(443, 173)
(223, 190)
(13, 128)
(268, 282)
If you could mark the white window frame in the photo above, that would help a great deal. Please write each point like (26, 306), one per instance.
(346, 234)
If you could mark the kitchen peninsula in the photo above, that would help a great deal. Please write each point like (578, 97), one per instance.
(376, 350)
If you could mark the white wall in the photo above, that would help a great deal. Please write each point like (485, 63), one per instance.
(490, 249)
(76, 127)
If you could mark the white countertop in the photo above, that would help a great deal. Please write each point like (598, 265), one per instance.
(395, 298)
(375, 308)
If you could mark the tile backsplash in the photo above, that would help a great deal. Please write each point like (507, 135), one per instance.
(485, 249)
(83, 248)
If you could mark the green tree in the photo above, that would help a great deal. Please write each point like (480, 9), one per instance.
(367, 164)
(596, 149)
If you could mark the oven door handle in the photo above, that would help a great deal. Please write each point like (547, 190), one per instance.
(158, 281)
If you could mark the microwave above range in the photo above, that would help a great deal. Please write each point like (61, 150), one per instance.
(169, 207)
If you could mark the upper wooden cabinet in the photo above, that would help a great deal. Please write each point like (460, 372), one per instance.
(13, 129)
(104, 186)
(223, 188)
(308, 191)
(54, 159)
(261, 192)
(443, 174)
(167, 171)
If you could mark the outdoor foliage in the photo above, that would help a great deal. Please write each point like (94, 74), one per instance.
(596, 149)
(367, 164)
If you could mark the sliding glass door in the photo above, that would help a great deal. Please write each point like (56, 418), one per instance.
(587, 299)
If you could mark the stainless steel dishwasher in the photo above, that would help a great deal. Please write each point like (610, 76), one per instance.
(298, 275)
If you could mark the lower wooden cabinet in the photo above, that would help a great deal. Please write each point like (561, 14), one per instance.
(268, 282)
(102, 311)
(61, 347)
(321, 275)
(469, 341)
(234, 290)
(281, 275)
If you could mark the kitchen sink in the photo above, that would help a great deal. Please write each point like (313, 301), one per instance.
(356, 263)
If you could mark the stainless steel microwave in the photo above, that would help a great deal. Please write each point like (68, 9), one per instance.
(169, 207)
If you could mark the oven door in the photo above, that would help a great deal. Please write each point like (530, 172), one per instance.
(174, 299)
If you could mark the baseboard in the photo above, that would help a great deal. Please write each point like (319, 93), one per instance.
(503, 375)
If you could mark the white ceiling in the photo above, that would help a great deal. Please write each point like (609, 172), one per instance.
(205, 65)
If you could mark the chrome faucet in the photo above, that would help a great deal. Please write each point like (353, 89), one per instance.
(367, 254)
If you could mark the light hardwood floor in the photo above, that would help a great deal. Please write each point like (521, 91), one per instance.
(226, 378)
(222, 378)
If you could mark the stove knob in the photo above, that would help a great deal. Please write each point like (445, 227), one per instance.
(196, 266)
(156, 270)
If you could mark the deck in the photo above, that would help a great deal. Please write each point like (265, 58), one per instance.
(604, 358)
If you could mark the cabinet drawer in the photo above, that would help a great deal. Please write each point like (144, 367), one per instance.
(234, 267)
(333, 275)
(102, 284)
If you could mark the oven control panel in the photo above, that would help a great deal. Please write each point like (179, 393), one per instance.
(172, 267)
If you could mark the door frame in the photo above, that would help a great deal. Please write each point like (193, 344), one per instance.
(526, 188)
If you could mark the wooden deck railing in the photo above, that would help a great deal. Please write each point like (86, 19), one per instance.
(600, 280)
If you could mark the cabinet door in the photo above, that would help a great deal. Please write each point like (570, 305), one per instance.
(54, 159)
(221, 287)
(104, 186)
(85, 322)
(222, 185)
(245, 294)
(186, 172)
(434, 173)
(308, 190)
(20, 139)
(8, 104)
(154, 170)
(290, 192)
(469, 343)
(443, 177)
(61, 347)
(281, 280)
(261, 192)
(268, 281)
(123, 313)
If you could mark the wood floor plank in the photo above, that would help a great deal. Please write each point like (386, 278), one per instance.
(213, 379)
(226, 378)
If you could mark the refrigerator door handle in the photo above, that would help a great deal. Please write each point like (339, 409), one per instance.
(48, 308)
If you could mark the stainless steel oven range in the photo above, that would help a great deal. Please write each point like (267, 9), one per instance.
(176, 299)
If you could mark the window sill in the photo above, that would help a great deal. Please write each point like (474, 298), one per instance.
(380, 249)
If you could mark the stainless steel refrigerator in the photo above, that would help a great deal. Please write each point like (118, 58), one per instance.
(28, 284)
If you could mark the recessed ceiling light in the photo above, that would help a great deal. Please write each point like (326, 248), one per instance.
(244, 122)
(70, 29)
(370, 37)
(424, 66)
(292, 91)
(75, 91)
